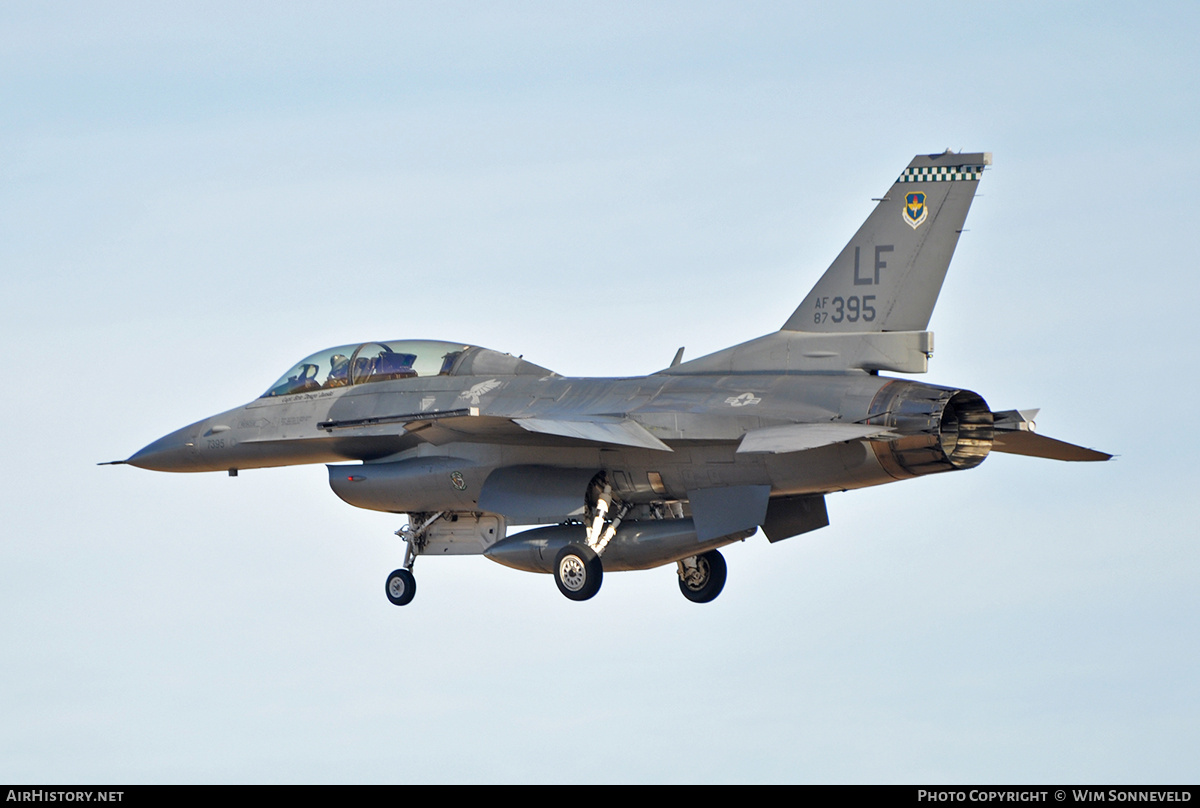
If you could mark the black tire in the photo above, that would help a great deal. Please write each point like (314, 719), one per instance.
(578, 571)
(401, 587)
(709, 579)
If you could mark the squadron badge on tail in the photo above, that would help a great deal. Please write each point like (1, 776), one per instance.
(915, 211)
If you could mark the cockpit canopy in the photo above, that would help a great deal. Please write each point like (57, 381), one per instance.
(369, 362)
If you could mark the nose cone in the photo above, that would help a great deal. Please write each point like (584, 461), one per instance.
(173, 452)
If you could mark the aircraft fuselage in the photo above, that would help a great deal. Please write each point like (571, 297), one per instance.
(701, 419)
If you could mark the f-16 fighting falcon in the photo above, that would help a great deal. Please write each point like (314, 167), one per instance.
(634, 473)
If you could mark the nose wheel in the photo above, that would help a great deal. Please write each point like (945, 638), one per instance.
(401, 587)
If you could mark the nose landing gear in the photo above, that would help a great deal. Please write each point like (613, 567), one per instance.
(401, 586)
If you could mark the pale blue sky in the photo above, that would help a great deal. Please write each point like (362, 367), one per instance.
(191, 200)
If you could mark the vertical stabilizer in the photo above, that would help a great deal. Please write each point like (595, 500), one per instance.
(888, 277)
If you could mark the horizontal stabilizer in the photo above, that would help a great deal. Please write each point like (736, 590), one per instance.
(600, 429)
(799, 437)
(1015, 435)
(1031, 444)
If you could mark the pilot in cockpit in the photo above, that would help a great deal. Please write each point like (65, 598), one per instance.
(339, 371)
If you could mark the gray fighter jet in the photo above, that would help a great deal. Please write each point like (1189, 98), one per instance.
(634, 473)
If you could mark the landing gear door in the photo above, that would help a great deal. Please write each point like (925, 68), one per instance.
(463, 534)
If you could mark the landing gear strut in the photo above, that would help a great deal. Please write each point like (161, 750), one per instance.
(702, 577)
(577, 568)
(401, 586)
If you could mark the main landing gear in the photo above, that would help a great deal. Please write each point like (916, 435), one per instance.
(702, 577)
(578, 571)
(577, 568)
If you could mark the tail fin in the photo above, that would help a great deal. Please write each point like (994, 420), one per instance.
(888, 277)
